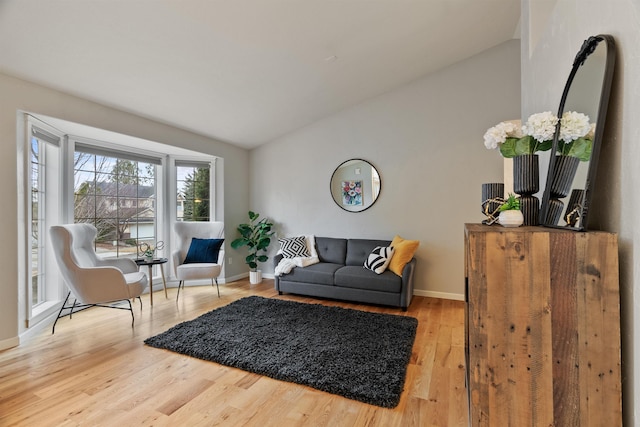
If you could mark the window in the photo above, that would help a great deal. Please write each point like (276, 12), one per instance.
(37, 203)
(124, 189)
(193, 191)
(43, 210)
(118, 196)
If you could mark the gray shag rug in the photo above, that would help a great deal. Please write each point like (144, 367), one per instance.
(351, 353)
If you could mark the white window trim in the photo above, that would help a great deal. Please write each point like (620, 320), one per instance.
(54, 286)
(166, 201)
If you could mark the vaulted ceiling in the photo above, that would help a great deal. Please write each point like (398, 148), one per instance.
(242, 71)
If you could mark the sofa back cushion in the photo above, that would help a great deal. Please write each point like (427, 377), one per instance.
(331, 250)
(359, 249)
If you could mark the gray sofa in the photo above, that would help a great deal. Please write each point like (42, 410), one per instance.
(340, 274)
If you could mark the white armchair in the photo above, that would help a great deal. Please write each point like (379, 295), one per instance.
(185, 232)
(94, 281)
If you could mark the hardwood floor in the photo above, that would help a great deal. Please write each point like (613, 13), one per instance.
(96, 371)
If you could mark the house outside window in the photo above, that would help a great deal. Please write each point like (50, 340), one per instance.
(193, 191)
(117, 196)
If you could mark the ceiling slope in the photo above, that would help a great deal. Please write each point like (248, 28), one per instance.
(242, 71)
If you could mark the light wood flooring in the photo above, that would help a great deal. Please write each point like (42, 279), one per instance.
(96, 371)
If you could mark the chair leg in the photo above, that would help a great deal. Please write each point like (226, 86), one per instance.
(140, 299)
(133, 319)
(178, 294)
(72, 307)
(217, 286)
(53, 330)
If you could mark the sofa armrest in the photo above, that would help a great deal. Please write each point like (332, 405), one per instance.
(277, 259)
(407, 283)
(276, 281)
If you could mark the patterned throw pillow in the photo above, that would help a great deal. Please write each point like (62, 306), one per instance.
(379, 259)
(293, 247)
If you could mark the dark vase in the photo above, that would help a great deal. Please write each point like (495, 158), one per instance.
(526, 182)
(574, 208)
(554, 211)
(492, 194)
(564, 171)
(530, 207)
(526, 176)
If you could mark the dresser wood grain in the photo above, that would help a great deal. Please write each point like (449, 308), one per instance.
(542, 327)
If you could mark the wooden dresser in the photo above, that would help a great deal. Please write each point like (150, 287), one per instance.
(542, 327)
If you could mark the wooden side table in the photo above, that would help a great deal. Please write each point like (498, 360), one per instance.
(150, 264)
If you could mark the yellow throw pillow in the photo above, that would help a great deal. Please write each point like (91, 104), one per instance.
(403, 251)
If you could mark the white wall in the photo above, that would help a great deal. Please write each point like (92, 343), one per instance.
(553, 36)
(20, 95)
(425, 139)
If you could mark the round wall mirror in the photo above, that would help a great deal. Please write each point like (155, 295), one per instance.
(355, 185)
(573, 164)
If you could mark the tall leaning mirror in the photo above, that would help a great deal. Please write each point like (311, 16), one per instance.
(578, 137)
(355, 185)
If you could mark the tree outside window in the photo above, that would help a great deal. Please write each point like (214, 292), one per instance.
(193, 193)
(118, 197)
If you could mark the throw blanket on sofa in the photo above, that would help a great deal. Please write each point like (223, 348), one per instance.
(287, 264)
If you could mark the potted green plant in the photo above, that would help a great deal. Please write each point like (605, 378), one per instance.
(256, 235)
(510, 214)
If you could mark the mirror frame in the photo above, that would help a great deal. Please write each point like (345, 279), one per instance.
(337, 202)
(588, 47)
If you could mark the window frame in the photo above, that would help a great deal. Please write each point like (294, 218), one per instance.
(51, 211)
(63, 166)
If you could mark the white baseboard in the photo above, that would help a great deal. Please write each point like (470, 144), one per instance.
(441, 295)
(45, 323)
(236, 277)
(9, 342)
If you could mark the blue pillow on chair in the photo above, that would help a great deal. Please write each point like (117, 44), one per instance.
(203, 250)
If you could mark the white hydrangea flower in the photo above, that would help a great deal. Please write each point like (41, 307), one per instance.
(574, 125)
(541, 126)
(592, 132)
(498, 134)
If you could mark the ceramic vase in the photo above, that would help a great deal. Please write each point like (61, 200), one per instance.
(511, 218)
(526, 182)
(492, 191)
(564, 171)
(574, 208)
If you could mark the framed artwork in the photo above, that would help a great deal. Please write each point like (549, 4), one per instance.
(352, 193)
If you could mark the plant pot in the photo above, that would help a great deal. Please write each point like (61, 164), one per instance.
(255, 277)
(511, 218)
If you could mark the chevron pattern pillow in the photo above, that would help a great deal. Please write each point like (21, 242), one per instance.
(293, 247)
(379, 259)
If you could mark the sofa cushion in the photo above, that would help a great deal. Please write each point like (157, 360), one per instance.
(321, 273)
(379, 259)
(358, 277)
(293, 247)
(403, 251)
(358, 250)
(331, 250)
